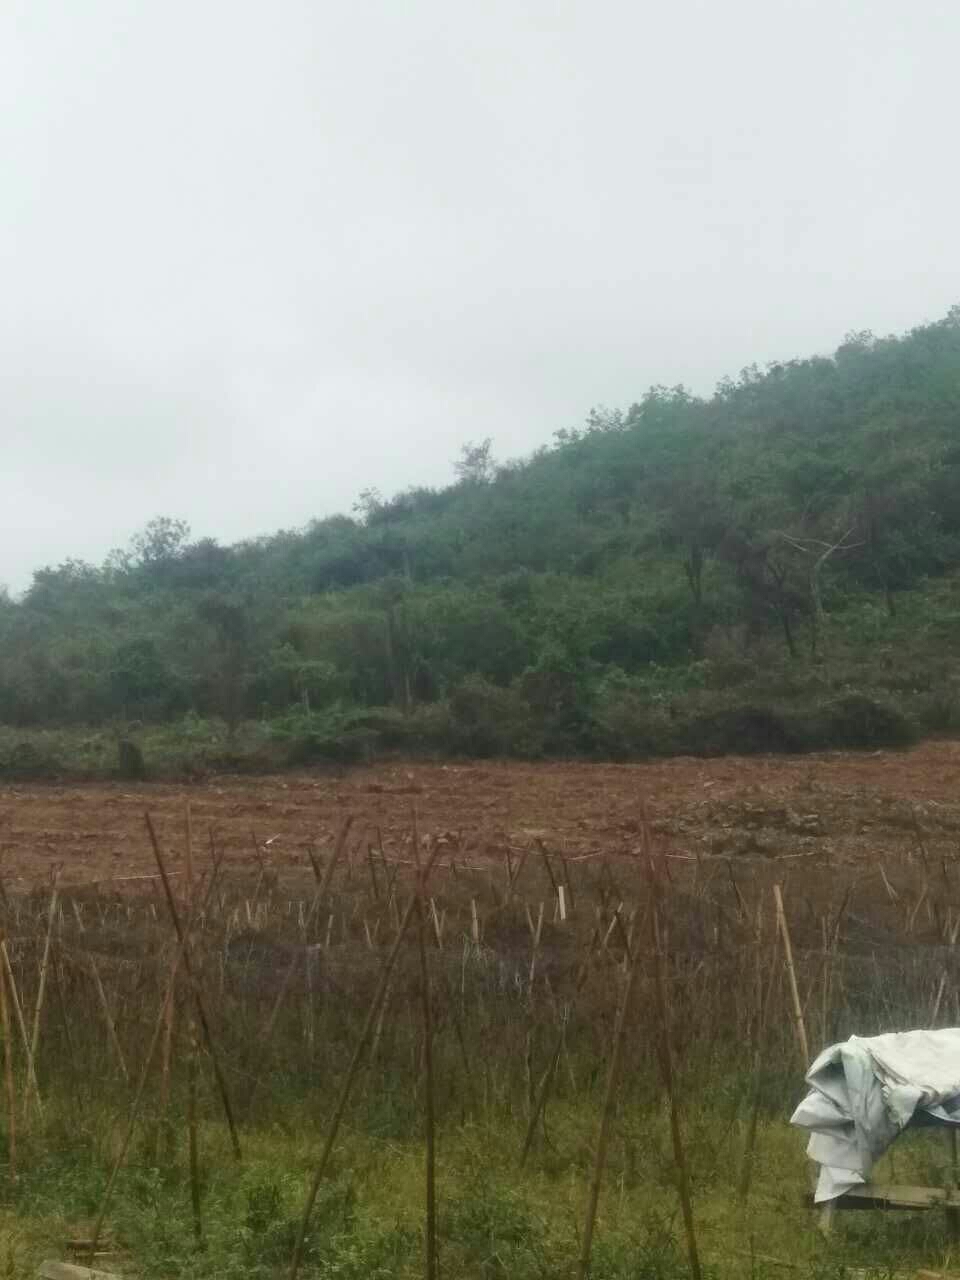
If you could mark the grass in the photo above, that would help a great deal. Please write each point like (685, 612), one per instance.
(495, 1222)
(495, 1035)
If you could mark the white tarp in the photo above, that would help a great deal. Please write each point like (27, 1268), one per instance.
(863, 1094)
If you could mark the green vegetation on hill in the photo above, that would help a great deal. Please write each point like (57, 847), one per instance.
(771, 568)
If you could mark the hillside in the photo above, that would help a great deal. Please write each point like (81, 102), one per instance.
(774, 567)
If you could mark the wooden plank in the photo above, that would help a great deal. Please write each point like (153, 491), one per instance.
(53, 1270)
(884, 1196)
(870, 1273)
(857, 1273)
(901, 1197)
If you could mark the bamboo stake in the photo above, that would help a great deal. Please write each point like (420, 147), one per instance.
(546, 863)
(378, 1030)
(606, 1118)
(108, 1019)
(188, 848)
(373, 875)
(267, 1029)
(44, 965)
(4, 900)
(164, 1128)
(18, 1010)
(8, 1082)
(192, 1135)
(536, 946)
(324, 879)
(540, 1100)
(169, 1014)
(666, 1066)
(324, 886)
(792, 975)
(137, 1101)
(518, 869)
(62, 1006)
(309, 958)
(430, 1171)
(341, 1105)
(315, 865)
(437, 924)
(763, 1005)
(939, 997)
(198, 998)
(566, 876)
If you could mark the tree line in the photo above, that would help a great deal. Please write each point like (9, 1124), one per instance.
(757, 551)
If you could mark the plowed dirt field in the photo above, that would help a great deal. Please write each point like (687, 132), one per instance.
(836, 808)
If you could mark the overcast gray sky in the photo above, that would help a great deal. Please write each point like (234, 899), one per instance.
(255, 257)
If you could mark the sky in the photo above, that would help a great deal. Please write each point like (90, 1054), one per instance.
(258, 257)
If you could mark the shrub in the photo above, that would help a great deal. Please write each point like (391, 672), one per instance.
(626, 726)
(486, 720)
(28, 759)
(939, 711)
(130, 763)
(336, 734)
(424, 729)
(858, 721)
(744, 730)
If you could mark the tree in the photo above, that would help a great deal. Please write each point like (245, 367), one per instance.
(231, 623)
(693, 516)
(794, 493)
(767, 583)
(368, 503)
(476, 463)
(161, 540)
(817, 552)
(140, 681)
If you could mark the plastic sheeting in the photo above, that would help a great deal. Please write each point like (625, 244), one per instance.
(864, 1093)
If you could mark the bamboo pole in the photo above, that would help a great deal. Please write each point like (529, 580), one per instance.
(137, 1101)
(194, 1146)
(792, 975)
(546, 863)
(666, 1066)
(378, 1030)
(540, 1099)
(308, 960)
(566, 876)
(108, 1018)
(188, 848)
(763, 1005)
(324, 879)
(8, 1082)
(606, 1119)
(430, 1170)
(44, 965)
(374, 885)
(198, 998)
(323, 887)
(164, 1129)
(333, 1126)
(18, 1010)
(536, 946)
